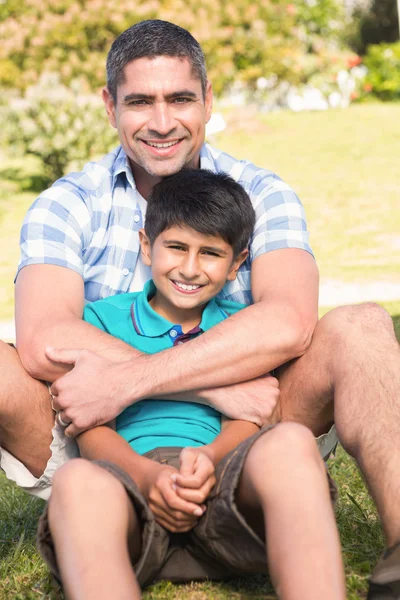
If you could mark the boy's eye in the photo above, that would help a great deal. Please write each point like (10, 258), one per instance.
(176, 247)
(210, 253)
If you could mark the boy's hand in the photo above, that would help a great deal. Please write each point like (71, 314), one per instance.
(170, 510)
(196, 476)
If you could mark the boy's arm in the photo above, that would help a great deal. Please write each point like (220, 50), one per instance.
(232, 433)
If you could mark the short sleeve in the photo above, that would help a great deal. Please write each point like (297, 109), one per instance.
(280, 217)
(90, 315)
(53, 231)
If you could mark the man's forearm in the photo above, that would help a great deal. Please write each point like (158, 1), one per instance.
(243, 347)
(69, 332)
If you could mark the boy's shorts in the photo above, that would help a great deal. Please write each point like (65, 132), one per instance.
(221, 546)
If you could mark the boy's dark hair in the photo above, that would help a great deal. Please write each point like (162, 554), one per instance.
(210, 203)
(149, 39)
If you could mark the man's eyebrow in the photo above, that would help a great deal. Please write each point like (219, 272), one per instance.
(177, 94)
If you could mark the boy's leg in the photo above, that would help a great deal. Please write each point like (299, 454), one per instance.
(284, 495)
(90, 518)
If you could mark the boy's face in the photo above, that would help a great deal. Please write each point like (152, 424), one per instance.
(188, 267)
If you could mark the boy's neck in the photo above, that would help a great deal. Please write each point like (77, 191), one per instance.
(187, 319)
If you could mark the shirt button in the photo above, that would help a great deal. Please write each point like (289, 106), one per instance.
(173, 333)
(136, 218)
(125, 272)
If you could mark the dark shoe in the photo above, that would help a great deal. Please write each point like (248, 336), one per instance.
(385, 580)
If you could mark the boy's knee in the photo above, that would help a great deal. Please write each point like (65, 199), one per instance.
(79, 476)
(287, 440)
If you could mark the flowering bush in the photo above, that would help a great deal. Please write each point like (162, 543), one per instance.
(383, 77)
(58, 124)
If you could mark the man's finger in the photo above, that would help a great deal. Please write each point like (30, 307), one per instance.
(62, 355)
(72, 431)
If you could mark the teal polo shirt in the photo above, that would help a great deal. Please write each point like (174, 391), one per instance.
(155, 423)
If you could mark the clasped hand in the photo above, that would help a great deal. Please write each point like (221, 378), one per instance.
(177, 497)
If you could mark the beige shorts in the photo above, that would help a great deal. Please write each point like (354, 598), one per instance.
(62, 449)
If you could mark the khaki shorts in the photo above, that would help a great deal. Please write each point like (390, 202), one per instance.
(221, 546)
(63, 449)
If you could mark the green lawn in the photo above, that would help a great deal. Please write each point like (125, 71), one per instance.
(344, 166)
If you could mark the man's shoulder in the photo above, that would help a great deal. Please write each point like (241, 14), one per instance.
(243, 171)
(95, 176)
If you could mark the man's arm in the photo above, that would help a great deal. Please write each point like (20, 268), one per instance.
(275, 329)
(49, 304)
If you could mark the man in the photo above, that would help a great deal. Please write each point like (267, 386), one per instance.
(80, 242)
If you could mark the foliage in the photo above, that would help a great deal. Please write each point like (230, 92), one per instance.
(383, 77)
(58, 124)
(380, 23)
(242, 41)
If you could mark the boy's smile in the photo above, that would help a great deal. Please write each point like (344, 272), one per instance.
(188, 268)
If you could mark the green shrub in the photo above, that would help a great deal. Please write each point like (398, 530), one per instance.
(383, 77)
(63, 126)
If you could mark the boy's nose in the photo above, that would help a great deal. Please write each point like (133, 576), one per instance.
(189, 267)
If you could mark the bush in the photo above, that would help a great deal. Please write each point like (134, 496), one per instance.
(60, 125)
(243, 40)
(383, 77)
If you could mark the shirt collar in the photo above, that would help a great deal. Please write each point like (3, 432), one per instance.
(122, 165)
(150, 324)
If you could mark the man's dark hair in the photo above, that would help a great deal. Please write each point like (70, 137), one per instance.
(210, 203)
(149, 39)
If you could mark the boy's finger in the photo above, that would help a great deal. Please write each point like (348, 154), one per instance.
(187, 461)
(204, 470)
(175, 503)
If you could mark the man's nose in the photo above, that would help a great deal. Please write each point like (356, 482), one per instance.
(162, 121)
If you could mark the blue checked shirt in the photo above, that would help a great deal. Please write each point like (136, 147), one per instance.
(89, 222)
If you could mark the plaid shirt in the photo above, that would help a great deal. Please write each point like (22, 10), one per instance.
(89, 222)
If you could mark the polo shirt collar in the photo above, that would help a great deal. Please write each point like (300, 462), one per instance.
(150, 324)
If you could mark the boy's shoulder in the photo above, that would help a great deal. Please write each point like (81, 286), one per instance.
(229, 307)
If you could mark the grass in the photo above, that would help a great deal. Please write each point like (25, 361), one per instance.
(343, 165)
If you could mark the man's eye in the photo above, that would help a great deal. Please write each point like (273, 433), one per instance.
(182, 100)
(138, 103)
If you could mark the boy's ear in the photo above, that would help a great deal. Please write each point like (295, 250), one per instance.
(236, 264)
(145, 247)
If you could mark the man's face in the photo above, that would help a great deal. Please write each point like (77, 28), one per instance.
(160, 116)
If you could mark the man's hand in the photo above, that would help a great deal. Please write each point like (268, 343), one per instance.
(256, 400)
(170, 510)
(196, 476)
(90, 394)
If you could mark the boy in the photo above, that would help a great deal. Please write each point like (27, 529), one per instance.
(181, 497)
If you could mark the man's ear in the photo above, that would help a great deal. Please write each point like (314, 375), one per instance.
(236, 264)
(145, 247)
(110, 106)
(208, 101)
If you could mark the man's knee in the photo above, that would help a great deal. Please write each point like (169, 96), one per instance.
(345, 321)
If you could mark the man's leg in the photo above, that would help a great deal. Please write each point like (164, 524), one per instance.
(284, 495)
(90, 518)
(26, 416)
(354, 358)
